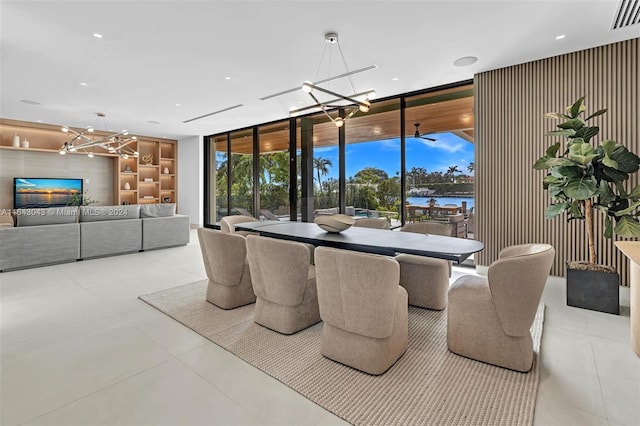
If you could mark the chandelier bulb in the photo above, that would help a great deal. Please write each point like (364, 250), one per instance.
(90, 155)
(364, 106)
(339, 122)
(307, 86)
(125, 133)
(65, 129)
(371, 94)
(72, 148)
(90, 129)
(62, 152)
(125, 156)
(135, 154)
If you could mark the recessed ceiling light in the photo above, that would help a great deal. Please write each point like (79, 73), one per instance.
(227, 78)
(39, 121)
(83, 84)
(560, 37)
(394, 79)
(153, 122)
(30, 102)
(465, 61)
(177, 105)
(96, 35)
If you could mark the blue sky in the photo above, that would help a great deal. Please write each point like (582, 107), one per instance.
(33, 184)
(447, 150)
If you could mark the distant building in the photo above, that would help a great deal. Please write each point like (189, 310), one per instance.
(421, 192)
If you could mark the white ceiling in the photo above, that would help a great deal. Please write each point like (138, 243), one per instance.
(156, 54)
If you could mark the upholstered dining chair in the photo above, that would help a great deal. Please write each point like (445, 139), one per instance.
(363, 308)
(225, 261)
(426, 279)
(372, 223)
(488, 319)
(228, 224)
(284, 282)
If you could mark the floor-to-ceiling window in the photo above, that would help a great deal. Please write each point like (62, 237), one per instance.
(372, 157)
(318, 168)
(440, 156)
(274, 170)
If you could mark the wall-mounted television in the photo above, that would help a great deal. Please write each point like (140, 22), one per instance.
(31, 193)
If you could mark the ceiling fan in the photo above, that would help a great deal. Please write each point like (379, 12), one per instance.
(418, 135)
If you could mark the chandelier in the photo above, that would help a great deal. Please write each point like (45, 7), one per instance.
(356, 101)
(86, 142)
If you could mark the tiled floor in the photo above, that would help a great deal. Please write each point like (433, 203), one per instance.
(79, 348)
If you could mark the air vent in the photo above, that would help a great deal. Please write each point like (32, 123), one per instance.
(212, 113)
(628, 14)
(346, 74)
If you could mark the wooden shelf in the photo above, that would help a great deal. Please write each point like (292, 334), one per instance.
(148, 165)
(167, 190)
(52, 151)
(167, 175)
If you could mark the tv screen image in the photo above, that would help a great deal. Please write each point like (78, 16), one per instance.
(30, 193)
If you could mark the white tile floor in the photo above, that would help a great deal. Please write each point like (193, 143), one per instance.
(79, 348)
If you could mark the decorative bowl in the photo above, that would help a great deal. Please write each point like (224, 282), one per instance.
(335, 223)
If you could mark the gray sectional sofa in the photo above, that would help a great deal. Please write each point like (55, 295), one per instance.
(55, 235)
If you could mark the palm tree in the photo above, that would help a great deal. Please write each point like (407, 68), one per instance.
(471, 167)
(322, 166)
(450, 172)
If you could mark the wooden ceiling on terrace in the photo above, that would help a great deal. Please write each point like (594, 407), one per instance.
(449, 110)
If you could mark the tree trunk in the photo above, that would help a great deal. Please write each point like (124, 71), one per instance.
(588, 214)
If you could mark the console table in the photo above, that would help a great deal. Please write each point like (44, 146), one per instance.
(631, 249)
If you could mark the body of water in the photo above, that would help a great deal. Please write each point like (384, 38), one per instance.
(42, 200)
(424, 201)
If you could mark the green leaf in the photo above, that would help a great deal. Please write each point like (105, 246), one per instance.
(608, 227)
(568, 132)
(587, 133)
(582, 153)
(556, 115)
(574, 123)
(627, 161)
(567, 172)
(581, 189)
(635, 193)
(549, 179)
(595, 114)
(607, 161)
(613, 175)
(629, 209)
(559, 161)
(553, 150)
(605, 193)
(609, 146)
(576, 108)
(627, 227)
(541, 163)
(575, 211)
(554, 210)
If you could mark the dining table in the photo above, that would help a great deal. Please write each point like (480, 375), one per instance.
(377, 241)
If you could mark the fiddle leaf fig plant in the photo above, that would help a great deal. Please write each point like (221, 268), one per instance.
(583, 177)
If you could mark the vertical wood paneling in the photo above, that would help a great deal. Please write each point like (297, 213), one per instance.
(509, 108)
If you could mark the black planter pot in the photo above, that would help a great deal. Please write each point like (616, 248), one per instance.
(595, 290)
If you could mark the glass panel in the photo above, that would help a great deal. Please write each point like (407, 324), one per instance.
(219, 184)
(326, 168)
(274, 171)
(373, 163)
(242, 172)
(439, 157)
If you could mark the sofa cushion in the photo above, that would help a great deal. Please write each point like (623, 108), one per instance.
(100, 213)
(49, 216)
(157, 210)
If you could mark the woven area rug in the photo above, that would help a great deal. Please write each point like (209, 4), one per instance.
(428, 386)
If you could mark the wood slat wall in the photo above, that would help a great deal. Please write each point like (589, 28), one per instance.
(509, 108)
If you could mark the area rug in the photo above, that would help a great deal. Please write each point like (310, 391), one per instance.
(428, 386)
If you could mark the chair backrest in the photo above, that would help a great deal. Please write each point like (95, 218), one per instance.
(357, 292)
(224, 256)
(427, 227)
(372, 223)
(228, 223)
(268, 214)
(516, 281)
(279, 269)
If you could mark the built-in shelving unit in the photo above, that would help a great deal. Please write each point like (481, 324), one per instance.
(138, 180)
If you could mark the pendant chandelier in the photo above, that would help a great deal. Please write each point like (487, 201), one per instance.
(86, 141)
(352, 103)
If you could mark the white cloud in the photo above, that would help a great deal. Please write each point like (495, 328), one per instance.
(449, 147)
(26, 182)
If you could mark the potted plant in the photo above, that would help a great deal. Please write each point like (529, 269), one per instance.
(589, 182)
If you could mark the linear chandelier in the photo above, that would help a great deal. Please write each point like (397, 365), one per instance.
(117, 143)
(358, 101)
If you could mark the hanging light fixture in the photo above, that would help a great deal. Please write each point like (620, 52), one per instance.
(117, 143)
(356, 101)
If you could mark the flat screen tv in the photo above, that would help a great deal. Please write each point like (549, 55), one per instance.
(31, 193)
